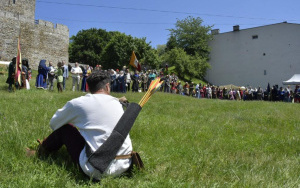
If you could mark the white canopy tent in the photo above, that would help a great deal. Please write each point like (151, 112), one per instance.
(295, 80)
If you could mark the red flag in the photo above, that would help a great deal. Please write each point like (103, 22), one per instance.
(134, 62)
(18, 64)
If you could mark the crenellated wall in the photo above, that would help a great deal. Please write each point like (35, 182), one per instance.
(39, 39)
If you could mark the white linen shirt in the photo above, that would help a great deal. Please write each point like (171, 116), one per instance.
(76, 71)
(95, 115)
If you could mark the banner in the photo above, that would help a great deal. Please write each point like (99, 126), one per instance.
(134, 62)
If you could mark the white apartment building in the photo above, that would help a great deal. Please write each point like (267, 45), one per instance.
(256, 56)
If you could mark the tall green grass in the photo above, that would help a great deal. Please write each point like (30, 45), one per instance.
(183, 141)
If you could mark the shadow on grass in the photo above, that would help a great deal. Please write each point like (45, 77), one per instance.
(62, 160)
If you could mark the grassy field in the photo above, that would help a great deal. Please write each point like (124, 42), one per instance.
(184, 142)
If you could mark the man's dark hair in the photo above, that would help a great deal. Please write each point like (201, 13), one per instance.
(97, 80)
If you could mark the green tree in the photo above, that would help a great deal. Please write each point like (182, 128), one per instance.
(192, 36)
(191, 66)
(87, 45)
(161, 49)
(110, 49)
(171, 44)
(118, 51)
(190, 40)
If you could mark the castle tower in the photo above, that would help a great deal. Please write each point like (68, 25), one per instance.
(23, 10)
(39, 39)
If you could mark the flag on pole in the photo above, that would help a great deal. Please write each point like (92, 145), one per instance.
(134, 62)
(18, 70)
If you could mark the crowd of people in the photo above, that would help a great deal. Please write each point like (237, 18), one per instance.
(140, 81)
(25, 75)
(125, 80)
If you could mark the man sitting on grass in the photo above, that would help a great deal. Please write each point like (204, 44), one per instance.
(88, 121)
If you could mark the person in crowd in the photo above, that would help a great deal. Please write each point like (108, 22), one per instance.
(88, 121)
(124, 69)
(76, 73)
(135, 81)
(117, 72)
(121, 82)
(179, 88)
(162, 78)
(191, 89)
(201, 89)
(245, 94)
(237, 95)
(297, 94)
(204, 91)
(231, 95)
(173, 78)
(51, 76)
(266, 95)
(186, 89)
(167, 84)
(259, 93)
(151, 77)
(41, 79)
(208, 92)
(286, 95)
(11, 74)
(60, 78)
(221, 96)
(65, 74)
(113, 81)
(144, 81)
(84, 77)
(173, 86)
(89, 72)
(197, 91)
(288, 89)
(26, 70)
(241, 93)
(24, 75)
(250, 94)
(254, 94)
(213, 92)
(281, 94)
(128, 79)
(25, 63)
(274, 93)
(291, 99)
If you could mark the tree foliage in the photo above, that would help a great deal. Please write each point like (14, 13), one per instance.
(192, 66)
(192, 36)
(110, 49)
(87, 45)
(187, 47)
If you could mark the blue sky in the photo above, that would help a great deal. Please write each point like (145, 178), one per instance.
(153, 18)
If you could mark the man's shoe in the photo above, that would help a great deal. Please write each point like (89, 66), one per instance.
(39, 152)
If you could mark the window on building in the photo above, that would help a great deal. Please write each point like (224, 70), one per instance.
(265, 72)
(254, 36)
(14, 1)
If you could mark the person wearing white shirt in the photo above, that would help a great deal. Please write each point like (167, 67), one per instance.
(76, 73)
(128, 79)
(88, 121)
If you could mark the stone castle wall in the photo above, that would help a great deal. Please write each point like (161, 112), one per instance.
(39, 39)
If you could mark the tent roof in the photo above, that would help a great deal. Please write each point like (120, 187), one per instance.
(230, 86)
(295, 80)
